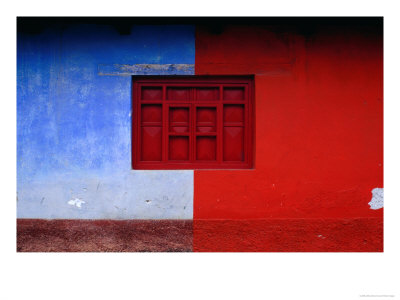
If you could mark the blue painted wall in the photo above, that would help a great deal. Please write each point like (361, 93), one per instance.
(74, 125)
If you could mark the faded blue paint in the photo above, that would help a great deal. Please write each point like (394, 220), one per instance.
(74, 126)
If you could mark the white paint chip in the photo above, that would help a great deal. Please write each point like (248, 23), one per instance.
(377, 198)
(76, 202)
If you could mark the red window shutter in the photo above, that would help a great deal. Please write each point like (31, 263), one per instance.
(192, 122)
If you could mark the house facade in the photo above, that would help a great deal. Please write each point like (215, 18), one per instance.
(303, 136)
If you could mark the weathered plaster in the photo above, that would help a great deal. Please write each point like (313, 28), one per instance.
(76, 201)
(146, 69)
(124, 195)
(74, 126)
(377, 198)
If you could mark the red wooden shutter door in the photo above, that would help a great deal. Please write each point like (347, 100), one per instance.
(192, 123)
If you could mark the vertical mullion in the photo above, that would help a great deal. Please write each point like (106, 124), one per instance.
(136, 114)
(250, 123)
(193, 127)
(220, 123)
(139, 120)
(165, 109)
(246, 121)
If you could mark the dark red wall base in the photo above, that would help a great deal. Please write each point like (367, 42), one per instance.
(104, 235)
(289, 235)
(272, 235)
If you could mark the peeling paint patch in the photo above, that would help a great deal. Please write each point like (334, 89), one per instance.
(377, 198)
(76, 202)
(145, 69)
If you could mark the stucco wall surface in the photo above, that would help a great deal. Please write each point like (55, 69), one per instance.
(74, 124)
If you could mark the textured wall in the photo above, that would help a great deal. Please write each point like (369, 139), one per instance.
(74, 124)
(318, 121)
(317, 181)
(318, 141)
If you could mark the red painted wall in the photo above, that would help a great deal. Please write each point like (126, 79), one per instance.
(318, 122)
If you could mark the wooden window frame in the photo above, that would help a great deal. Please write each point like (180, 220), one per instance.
(223, 83)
